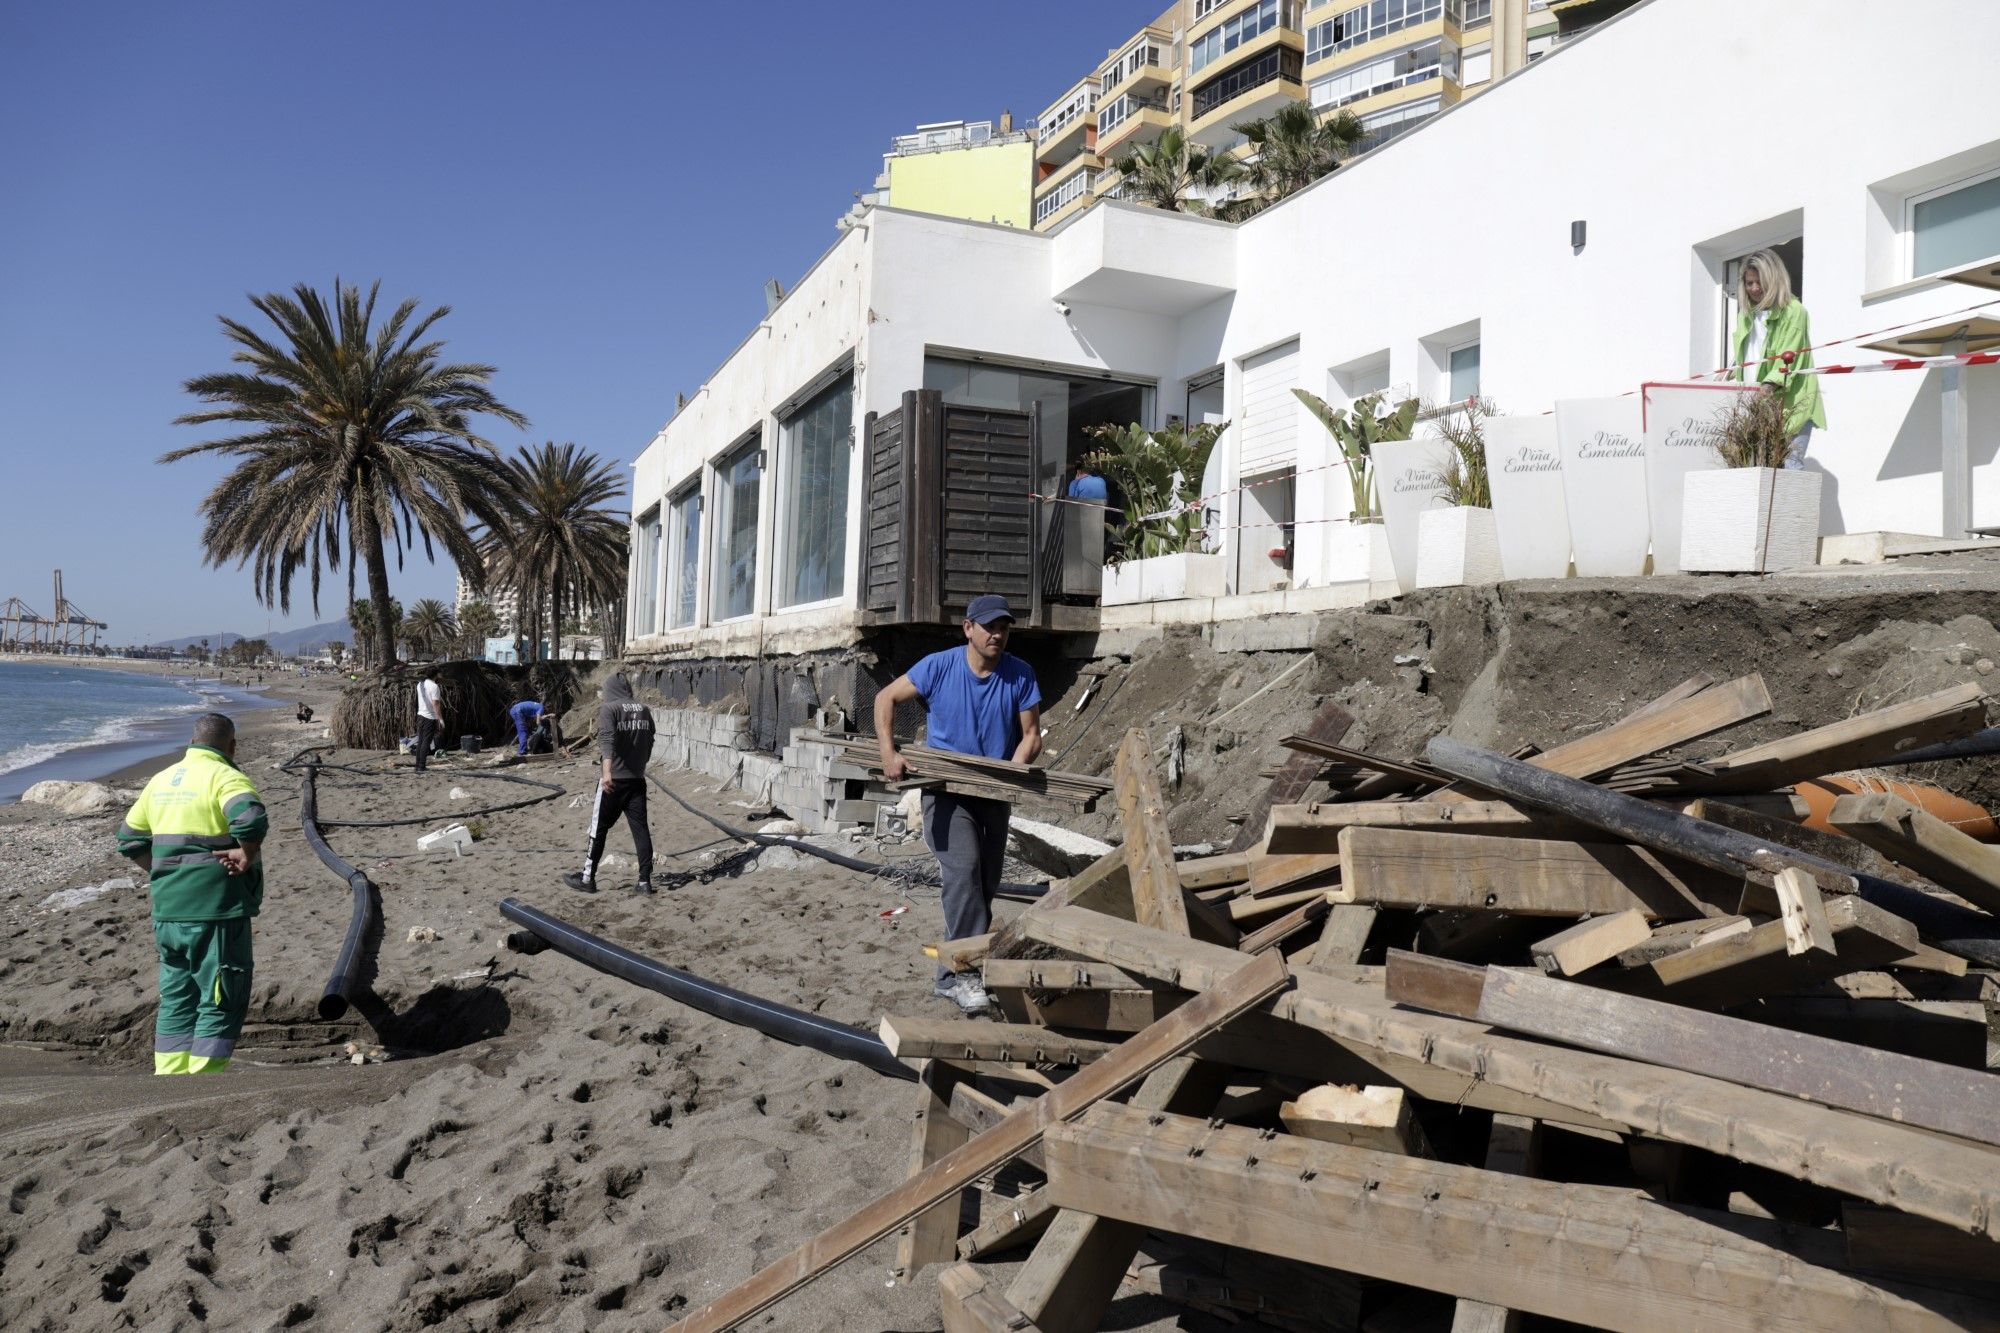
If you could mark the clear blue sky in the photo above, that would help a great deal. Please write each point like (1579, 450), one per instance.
(598, 190)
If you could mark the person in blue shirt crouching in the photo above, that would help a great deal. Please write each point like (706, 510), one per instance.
(527, 716)
(982, 700)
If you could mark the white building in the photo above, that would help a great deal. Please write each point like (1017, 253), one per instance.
(1864, 138)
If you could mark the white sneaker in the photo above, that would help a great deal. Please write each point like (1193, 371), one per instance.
(970, 996)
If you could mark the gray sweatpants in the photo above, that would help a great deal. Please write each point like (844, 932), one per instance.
(968, 835)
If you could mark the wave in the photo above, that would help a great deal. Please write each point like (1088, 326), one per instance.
(109, 732)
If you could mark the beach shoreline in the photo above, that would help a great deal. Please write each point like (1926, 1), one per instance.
(128, 760)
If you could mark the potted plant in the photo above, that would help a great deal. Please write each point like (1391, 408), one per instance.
(1155, 547)
(1357, 547)
(1459, 543)
(1753, 514)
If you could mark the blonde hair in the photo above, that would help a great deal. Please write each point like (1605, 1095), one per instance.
(1777, 279)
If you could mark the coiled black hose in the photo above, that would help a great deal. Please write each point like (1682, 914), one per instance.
(732, 1006)
(1029, 891)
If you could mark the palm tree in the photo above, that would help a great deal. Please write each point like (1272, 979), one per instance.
(562, 544)
(1294, 148)
(1170, 173)
(361, 619)
(352, 435)
(335, 649)
(429, 627)
(477, 622)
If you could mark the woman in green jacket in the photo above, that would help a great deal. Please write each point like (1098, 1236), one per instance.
(1773, 323)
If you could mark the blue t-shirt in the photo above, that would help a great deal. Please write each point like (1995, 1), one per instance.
(524, 714)
(973, 716)
(1089, 487)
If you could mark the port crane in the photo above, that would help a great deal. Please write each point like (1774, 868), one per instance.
(69, 630)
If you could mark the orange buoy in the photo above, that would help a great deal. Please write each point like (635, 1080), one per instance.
(1967, 817)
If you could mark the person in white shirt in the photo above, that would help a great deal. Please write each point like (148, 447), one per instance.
(430, 716)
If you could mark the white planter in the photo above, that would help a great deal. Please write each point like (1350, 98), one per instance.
(1356, 553)
(1525, 469)
(1457, 546)
(1681, 421)
(1165, 578)
(1408, 481)
(1748, 520)
(1604, 484)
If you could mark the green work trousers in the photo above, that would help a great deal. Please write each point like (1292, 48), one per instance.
(204, 993)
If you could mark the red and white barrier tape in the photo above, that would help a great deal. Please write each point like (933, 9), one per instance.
(1908, 363)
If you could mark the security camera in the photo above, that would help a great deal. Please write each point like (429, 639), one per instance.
(1062, 307)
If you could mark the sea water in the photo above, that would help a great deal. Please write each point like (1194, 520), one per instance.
(75, 722)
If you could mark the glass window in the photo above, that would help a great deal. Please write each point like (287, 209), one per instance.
(1365, 23)
(1234, 33)
(687, 557)
(816, 449)
(1951, 228)
(646, 576)
(1464, 372)
(733, 589)
(1064, 195)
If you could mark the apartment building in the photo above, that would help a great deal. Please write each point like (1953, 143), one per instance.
(972, 169)
(1210, 65)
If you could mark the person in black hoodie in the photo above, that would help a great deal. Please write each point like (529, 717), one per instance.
(625, 740)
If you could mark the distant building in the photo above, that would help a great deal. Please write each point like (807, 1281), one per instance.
(961, 169)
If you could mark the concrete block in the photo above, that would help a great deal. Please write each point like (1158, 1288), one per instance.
(1331, 597)
(1263, 635)
(1192, 611)
(854, 812)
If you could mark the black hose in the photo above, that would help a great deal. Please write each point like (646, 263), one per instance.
(1965, 747)
(732, 1006)
(1030, 891)
(550, 791)
(344, 985)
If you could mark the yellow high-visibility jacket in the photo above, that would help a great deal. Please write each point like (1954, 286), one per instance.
(186, 814)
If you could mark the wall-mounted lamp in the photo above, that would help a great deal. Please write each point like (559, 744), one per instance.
(1576, 235)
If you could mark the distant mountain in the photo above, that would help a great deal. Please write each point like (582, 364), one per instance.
(301, 642)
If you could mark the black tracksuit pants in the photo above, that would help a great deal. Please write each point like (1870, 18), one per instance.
(627, 797)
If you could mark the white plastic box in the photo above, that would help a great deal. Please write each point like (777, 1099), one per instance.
(457, 837)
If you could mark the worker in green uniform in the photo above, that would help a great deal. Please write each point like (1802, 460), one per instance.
(198, 830)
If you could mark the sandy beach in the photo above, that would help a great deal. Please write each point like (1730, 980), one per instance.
(546, 1146)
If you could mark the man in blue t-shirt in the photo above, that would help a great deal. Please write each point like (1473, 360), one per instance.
(527, 716)
(1087, 485)
(982, 700)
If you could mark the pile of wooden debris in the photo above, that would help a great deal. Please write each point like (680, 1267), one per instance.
(1585, 1034)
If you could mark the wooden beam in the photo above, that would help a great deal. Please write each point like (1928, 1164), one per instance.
(1520, 876)
(1741, 964)
(1882, 1240)
(932, 1238)
(1214, 872)
(1103, 886)
(1057, 974)
(1375, 1117)
(1075, 1269)
(1452, 1061)
(997, 1043)
(1464, 1231)
(1837, 848)
(1149, 847)
(1259, 979)
(1964, 931)
(969, 1303)
(1850, 743)
(1247, 908)
(1013, 1222)
(1269, 874)
(1923, 842)
(961, 955)
(980, 1111)
(1513, 1148)
(1295, 776)
(1653, 729)
(1315, 829)
(1803, 913)
(1893, 1087)
(1344, 936)
(1588, 943)
(1274, 933)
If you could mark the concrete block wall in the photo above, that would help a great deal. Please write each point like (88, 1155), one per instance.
(809, 781)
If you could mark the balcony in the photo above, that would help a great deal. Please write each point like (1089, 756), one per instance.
(943, 135)
(1136, 258)
(1061, 198)
(1254, 88)
(1069, 125)
(1130, 120)
(1145, 65)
